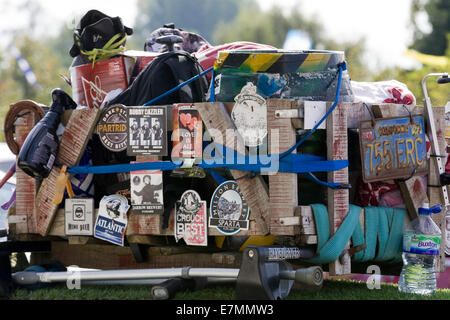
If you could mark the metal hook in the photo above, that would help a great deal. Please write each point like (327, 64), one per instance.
(410, 114)
(410, 176)
(370, 113)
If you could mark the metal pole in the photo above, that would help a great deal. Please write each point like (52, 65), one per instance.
(133, 274)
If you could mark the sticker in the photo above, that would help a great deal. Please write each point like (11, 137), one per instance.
(421, 244)
(191, 219)
(79, 217)
(112, 128)
(147, 131)
(111, 222)
(228, 211)
(93, 91)
(217, 81)
(147, 191)
(187, 132)
(250, 116)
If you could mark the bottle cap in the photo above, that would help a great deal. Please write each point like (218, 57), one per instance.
(426, 210)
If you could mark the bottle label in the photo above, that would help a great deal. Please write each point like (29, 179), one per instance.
(421, 244)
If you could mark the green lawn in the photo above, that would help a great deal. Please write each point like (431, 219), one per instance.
(331, 290)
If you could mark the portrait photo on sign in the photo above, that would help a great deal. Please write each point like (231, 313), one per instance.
(134, 131)
(147, 130)
(187, 132)
(147, 191)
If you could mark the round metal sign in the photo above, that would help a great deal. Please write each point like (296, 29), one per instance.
(112, 128)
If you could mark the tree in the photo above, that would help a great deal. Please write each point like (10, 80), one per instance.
(45, 64)
(271, 28)
(438, 12)
(201, 16)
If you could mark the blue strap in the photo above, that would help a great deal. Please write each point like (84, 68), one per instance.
(293, 163)
(212, 93)
(217, 177)
(331, 185)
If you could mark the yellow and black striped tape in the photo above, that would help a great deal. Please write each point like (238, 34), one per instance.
(278, 61)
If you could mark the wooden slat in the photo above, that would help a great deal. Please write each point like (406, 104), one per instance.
(25, 185)
(338, 200)
(307, 224)
(255, 192)
(73, 143)
(110, 257)
(282, 186)
(435, 194)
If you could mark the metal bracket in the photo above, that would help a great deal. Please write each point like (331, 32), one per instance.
(17, 219)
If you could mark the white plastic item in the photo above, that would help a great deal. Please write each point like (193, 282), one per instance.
(391, 91)
(421, 243)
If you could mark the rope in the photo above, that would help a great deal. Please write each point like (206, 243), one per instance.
(16, 111)
(382, 234)
(109, 50)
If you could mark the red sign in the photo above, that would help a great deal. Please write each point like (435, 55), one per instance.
(90, 84)
(190, 219)
(187, 132)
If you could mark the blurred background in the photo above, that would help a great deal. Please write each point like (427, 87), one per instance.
(383, 40)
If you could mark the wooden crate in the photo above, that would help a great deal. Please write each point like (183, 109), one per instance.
(273, 206)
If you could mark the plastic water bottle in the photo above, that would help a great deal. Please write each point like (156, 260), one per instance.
(421, 243)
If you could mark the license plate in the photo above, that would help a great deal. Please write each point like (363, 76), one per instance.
(391, 148)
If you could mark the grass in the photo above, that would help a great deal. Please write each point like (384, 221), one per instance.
(331, 290)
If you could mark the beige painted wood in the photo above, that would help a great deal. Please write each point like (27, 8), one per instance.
(73, 142)
(217, 120)
(435, 194)
(282, 186)
(338, 200)
(25, 185)
(110, 257)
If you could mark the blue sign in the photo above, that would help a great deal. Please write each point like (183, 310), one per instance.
(110, 230)
(392, 148)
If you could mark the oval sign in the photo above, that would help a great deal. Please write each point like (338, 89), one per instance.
(112, 128)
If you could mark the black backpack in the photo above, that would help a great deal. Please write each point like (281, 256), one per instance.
(162, 74)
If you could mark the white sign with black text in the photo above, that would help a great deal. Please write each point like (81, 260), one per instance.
(79, 217)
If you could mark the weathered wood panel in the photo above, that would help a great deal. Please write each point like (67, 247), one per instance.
(25, 185)
(436, 194)
(283, 187)
(218, 122)
(338, 200)
(73, 142)
(109, 257)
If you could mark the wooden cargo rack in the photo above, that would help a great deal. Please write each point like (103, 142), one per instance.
(272, 198)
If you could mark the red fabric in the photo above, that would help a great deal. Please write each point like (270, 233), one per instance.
(370, 193)
(399, 97)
